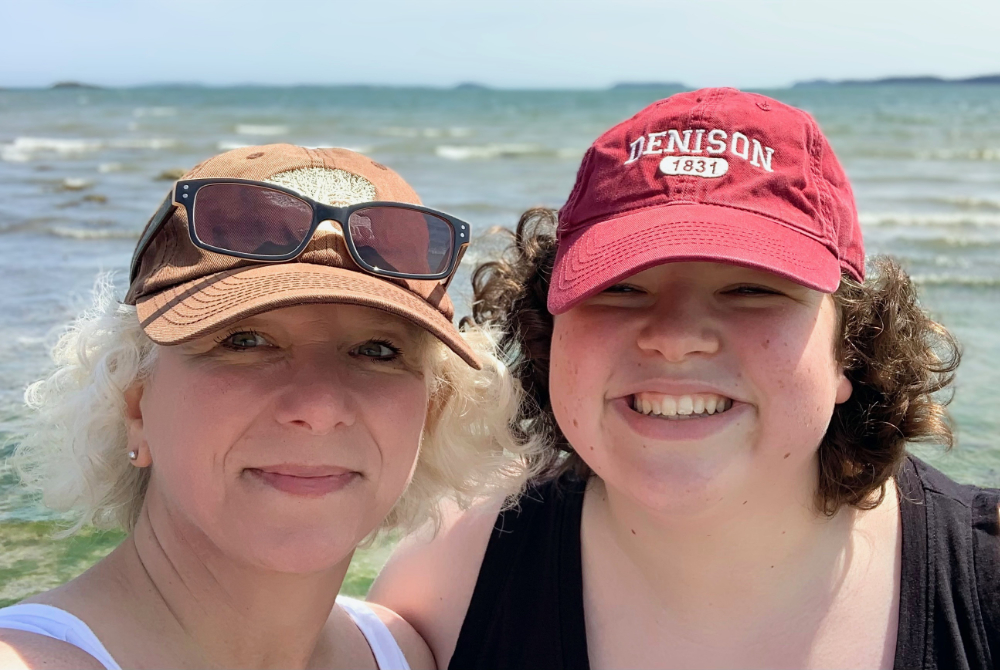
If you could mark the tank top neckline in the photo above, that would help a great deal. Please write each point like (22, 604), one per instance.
(61, 624)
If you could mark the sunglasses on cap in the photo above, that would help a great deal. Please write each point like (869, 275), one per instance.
(267, 223)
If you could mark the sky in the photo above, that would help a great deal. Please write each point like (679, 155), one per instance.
(504, 43)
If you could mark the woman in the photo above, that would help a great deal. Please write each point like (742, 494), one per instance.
(250, 422)
(728, 401)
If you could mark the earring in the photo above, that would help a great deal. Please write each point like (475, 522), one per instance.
(133, 455)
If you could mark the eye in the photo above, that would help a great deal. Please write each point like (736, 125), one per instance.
(378, 350)
(243, 340)
(622, 288)
(753, 289)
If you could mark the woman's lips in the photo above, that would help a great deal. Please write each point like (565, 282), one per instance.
(308, 481)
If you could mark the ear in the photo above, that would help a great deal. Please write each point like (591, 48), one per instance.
(844, 388)
(134, 427)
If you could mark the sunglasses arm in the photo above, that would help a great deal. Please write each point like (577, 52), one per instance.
(458, 262)
(162, 214)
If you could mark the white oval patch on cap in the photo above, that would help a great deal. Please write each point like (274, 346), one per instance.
(330, 186)
(694, 167)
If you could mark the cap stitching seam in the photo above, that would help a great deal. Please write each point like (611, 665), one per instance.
(623, 213)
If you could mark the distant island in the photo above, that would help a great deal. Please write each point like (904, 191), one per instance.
(73, 85)
(992, 79)
(630, 85)
(470, 86)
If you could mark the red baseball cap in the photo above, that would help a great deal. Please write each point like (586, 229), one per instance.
(712, 175)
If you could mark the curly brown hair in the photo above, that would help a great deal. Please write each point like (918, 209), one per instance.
(897, 358)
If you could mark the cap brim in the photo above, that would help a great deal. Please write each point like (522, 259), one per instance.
(602, 254)
(206, 304)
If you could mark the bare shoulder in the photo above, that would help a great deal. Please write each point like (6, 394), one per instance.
(417, 653)
(20, 650)
(430, 577)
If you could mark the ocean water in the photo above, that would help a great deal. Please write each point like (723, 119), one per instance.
(82, 170)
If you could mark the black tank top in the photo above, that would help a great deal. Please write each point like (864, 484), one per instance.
(527, 608)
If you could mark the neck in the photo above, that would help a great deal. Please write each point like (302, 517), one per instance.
(769, 552)
(220, 612)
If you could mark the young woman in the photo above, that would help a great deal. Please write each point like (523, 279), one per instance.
(250, 422)
(727, 400)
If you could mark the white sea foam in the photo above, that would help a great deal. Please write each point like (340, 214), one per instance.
(953, 280)
(24, 149)
(93, 234)
(913, 220)
(105, 168)
(140, 112)
(75, 184)
(402, 131)
(489, 151)
(143, 143)
(255, 129)
(967, 202)
(976, 154)
(229, 146)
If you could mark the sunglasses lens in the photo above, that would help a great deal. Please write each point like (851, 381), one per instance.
(403, 240)
(251, 219)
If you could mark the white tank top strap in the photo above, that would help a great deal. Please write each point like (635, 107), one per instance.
(59, 624)
(386, 650)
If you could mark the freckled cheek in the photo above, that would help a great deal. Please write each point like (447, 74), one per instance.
(576, 384)
(800, 394)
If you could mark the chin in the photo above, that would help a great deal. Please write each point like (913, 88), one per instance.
(293, 553)
(290, 543)
(676, 482)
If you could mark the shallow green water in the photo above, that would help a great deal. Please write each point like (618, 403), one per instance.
(33, 560)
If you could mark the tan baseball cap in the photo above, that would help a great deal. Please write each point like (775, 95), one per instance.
(182, 292)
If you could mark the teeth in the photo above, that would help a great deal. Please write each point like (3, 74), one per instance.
(685, 406)
(669, 406)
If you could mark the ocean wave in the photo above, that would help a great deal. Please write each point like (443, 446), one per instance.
(140, 112)
(401, 131)
(976, 154)
(260, 129)
(952, 280)
(912, 220)
(93, 234)
(75, 184)
(968, 202)
(229, 146)
(24, 149)
(143, 143)
(950, 242)
(490, 151)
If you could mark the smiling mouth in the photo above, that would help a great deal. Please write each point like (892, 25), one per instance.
(679, 407)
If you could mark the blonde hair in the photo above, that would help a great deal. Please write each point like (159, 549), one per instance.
(73, 445)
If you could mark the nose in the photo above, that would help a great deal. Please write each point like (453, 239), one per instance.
(678, 327)
(316, 398)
